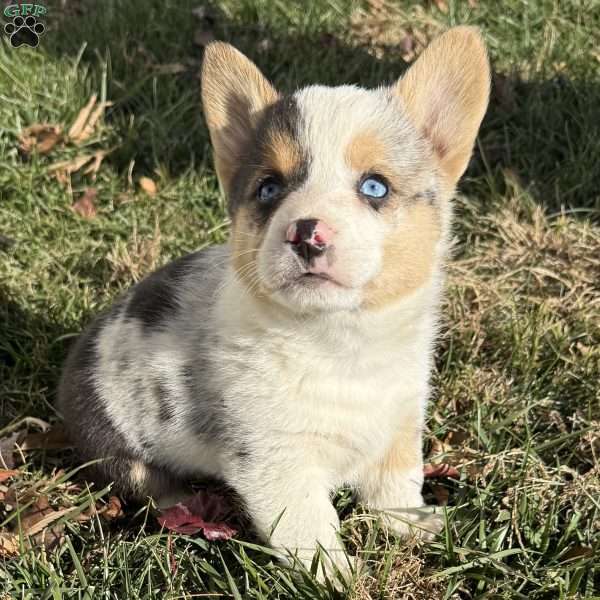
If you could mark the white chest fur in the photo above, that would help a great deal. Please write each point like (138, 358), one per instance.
(333, 390)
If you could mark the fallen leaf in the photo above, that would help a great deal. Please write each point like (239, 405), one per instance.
(40, 138)
(203, 37)
(112, 510)
(433, 471)
(53, 439)
(9, 544)
(85, 123)
(94, 166)
(7, 474)
(148, 186)
(90, 126)
(71, 166)
(49, 518)
(82, 118)
(85, 207)
(205, 511)
(35, 523)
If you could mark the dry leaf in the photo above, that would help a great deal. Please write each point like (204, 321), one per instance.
(205, 511)
(7, 474)
(94, 165)
(54, 439)
(203, 37)
(35, 523)
(37, 526)
(90, 126)
(85, 207)
(85, 123)
(112, 510)
(82, 117)
(9, 545)
(148, 186)
(71, 166)
(40, 137)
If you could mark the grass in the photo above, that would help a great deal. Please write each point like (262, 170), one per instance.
(516, 405)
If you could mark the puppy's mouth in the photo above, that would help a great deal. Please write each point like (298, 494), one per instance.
(312, 279)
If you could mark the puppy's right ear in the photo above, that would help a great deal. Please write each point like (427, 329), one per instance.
(234, 94)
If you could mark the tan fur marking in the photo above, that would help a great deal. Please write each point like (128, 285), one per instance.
(408, 257)
(246, 239)
(282, 154)
(365, 152)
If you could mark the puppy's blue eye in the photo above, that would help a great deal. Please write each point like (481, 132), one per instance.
(373, 187)
(269, 190)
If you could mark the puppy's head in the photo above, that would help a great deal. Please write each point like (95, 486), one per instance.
(339, 197)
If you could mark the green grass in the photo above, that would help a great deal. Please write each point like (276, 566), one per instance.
(516, 404)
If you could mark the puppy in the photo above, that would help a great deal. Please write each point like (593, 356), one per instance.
(295, 358)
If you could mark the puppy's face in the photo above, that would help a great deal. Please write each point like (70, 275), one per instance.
(339, 197)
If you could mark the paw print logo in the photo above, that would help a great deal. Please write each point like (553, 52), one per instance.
(24, 31)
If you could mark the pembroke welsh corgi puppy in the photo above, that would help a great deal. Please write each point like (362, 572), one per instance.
(295, 358)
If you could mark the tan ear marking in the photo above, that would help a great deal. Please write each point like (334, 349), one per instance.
(445, 94)
(234, 94)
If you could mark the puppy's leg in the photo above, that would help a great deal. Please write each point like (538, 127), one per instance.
(138, 480)
(393, 486)
(291, 509)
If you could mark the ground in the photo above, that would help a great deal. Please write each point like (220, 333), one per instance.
(515, 406)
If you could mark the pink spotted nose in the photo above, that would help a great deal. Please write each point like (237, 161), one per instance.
(309, 238)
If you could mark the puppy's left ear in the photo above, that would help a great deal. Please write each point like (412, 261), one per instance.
(234, 95)
(446, 93)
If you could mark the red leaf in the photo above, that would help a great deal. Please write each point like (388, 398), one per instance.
(85, 207)
(441, 470)
(205, 511)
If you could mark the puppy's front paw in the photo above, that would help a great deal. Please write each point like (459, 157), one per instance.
(421, 523)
